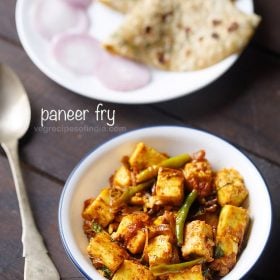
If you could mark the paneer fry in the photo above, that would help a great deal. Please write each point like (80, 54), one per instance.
(122, 177)
(130, 232)
(99, 210)
(169, 186)
(133, 270)
(166, 219)
(199, 175)
(159, 250)
(144, 156)
(230, 187)
(233, 222)
(198, 240)
(105, 253)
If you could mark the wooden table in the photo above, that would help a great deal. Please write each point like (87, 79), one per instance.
(242, 107)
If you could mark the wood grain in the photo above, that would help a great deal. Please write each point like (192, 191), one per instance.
(237, 107)
(268, 33)
(7, 20)
(242, 106)
(56, 152)
(44, 197)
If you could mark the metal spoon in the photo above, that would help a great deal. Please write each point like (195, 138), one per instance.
(15, 116)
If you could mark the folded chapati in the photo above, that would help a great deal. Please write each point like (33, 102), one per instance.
(181, 35)
(123, 6)
(120, 5)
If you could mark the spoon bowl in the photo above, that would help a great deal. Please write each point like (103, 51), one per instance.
(15, 112)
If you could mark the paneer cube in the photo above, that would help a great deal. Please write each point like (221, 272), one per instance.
(144, 156)
(199, 176)
(99, 210)
(131, 270)
(230, 187)
(159, 250)
(130, 229)
(233, 222)
(106, 252)
(137, 219)
(136, 244)
(159, 220)
(168, 217)
(122, 177)
(193, 273)
(169, 186)
(198, 240)
(138, 199)
(225, 255)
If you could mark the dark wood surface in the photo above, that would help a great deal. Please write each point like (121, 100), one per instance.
(242, 106)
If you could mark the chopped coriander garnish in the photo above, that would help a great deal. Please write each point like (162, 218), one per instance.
(219, 252)
(96, 227)
(106, 272)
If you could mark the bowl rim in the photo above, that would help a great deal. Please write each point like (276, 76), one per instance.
(126, 134)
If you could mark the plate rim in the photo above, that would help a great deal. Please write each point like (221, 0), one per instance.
(125, 99)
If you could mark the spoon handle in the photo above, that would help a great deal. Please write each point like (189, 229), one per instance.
(38, 264)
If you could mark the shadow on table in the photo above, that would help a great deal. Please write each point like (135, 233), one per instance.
(252, 68)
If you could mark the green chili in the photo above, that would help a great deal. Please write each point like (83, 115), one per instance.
(174, 268)
(182, 216)
(131, 191)
(173, 162)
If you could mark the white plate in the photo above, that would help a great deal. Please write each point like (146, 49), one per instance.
(164, 85)
(93, 172)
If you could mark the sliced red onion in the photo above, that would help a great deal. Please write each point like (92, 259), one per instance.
(82, 4)
(52, 17)
(121, 74)
(80, 53)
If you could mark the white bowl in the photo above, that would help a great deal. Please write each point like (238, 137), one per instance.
(92, 174)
